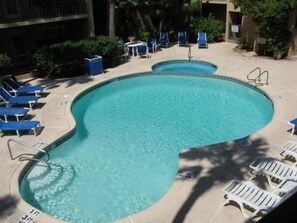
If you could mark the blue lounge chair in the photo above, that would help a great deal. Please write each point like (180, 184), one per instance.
(13, 111)
(16, 88)
(164, 40)
(152, 44)
(202, 40)
(182, 38)
(293, 123)
(19, 126)
(142, 51)
(9, 99)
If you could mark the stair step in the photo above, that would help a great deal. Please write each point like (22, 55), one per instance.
(45, 181)
(39, 170)
(58, 185)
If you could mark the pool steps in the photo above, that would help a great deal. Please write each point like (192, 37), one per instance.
(49, 179)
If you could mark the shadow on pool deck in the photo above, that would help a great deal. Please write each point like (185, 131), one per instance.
(7, 205)
(227, 158)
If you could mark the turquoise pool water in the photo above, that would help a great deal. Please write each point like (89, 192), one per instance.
(124, 155)
(185, 66)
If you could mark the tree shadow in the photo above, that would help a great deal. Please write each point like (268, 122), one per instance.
(7, 205)
(70, 81)
(224, 161)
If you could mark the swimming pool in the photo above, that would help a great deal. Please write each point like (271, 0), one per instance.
(124, 155)
(185, 66)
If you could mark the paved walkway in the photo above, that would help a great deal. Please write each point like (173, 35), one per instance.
(190, 200)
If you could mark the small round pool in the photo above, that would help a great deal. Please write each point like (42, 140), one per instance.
(123, 156)
(185, 66)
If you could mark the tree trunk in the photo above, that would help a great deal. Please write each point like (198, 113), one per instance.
(111, 25)
(200, 8)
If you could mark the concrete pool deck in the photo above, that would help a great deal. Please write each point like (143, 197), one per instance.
(196, 199)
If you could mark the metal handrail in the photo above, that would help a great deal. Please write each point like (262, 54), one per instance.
(257, 68)
(190, 54)
(23, 157)
(267, 76)
(257, 80)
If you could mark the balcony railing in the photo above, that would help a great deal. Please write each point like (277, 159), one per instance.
(215, 1)
(34, 9)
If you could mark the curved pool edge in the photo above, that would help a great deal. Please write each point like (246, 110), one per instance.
(160, 63)
(177, 185)
(276, 133)
(169, 197)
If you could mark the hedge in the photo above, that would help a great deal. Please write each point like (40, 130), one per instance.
(67, 59)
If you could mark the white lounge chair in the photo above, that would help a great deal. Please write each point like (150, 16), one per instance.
(248, 195)
(273, 170)
(289, 150)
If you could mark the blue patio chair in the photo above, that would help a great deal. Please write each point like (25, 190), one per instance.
(182, 38)
(13, 111)
(14, 87)
(10, 100)
(202, 40)
(19, 126)
(164, 40)
(152, 44)
(142, 51)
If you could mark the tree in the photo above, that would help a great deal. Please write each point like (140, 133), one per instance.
(111, 16)
(272, 17)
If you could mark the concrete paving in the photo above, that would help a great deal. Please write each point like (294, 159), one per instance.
(188, 200)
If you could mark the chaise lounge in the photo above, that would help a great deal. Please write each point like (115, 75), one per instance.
(273, 170)
(293, 123)
(289, 150)
(10, 100)
(249, 196)
(13, 111)
(16, 88)
(19, 126)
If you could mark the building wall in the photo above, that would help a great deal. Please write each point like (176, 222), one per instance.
(42, 24)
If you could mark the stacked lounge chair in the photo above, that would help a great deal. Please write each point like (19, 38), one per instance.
(281, 177)
(258, 200)
(14, 113)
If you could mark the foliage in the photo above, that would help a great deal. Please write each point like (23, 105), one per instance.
(66, 59)
(5, 65)
(213, 27)
(272, 16)
(141, 17)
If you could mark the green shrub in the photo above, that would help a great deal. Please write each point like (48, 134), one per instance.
(5, 65)
(213, 27)
(67, 59)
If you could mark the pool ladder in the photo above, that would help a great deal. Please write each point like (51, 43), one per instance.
(28, 156)
(257, 80)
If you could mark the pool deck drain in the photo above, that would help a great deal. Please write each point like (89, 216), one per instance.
(195, 199)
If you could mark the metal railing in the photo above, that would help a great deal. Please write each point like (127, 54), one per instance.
(257, 80)
(34, 9)
(28, 156)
